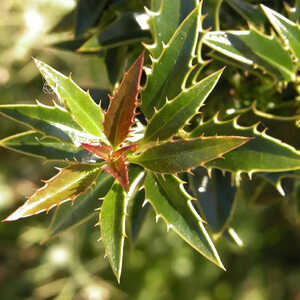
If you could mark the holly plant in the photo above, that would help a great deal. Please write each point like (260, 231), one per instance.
(120, 161)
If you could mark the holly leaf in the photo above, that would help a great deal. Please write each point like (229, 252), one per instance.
(36, 144)
(50, 120)
(64, 186)
(84, 208)
(182, 155)
(82, 107)
(176, 113)
(112, 227)
(120, 114)
(173, 205)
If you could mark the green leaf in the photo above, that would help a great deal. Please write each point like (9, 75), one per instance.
(138, 214)
(112, 227)
(212, 10)
(36, 144)
(120, 114)
(254, 49)
(163, 19)
(216, 197)
(83, 109)
(261, 154)
(64, 186)
(87, 14)
(176, 113)
(50, 120)
(68, 217)
(163, 66)
(124, 30)
(251, 13)
(181, 155)
(288, 30)
(174, 206)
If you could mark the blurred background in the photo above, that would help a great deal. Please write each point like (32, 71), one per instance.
(160, 265)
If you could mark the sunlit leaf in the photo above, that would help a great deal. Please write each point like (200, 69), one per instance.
(181, 155)
(64, 186)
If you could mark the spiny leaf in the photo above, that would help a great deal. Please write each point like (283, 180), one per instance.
(83, 109)
(36, 144)
(124, 30)
(163, 20)
(172, 203)
(175, 114)
(164, 64)
(68, 217)
(181, 155)
(112, 227)
(216, 197)
(261, 154)
(64, 186)
(101, 151)
(254, 49)
(120, 114)
(50, 120)
(288, 30)
(212, 9)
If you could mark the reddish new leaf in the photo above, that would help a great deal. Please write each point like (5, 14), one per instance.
(102, 151)
(120, 114)
(119, 170)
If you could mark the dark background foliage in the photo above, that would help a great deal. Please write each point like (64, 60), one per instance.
(159, 266)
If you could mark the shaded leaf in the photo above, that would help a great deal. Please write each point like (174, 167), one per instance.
(120, 114)
(261, 154)
(216, 197)
(50, 120)
(172, 204)
(83, 209)
(138, 214)
(211, 10)
(64, 186)
(124, 30)
(83, 109)
(181, 155)
(36, 144)
(87, 13)
(176, 113)
(112, 227)
(254, 49)
(251, 13)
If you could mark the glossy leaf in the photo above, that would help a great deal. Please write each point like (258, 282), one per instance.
(261, 154)
(163, 66)
(50, 120)
(181, 155)
(120, 114)
(84, 208)
(176, 113)
(64, 186)
(216, 197)
(288, 30)
(83, 109)
(36, 144)
(112, 227)
(87, 13)
(173, 205)
(254, 49)
(124, 30)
